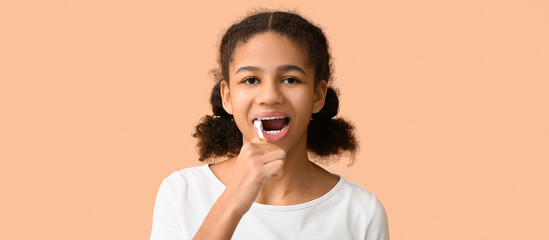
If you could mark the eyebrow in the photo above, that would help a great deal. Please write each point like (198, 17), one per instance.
(279, 69)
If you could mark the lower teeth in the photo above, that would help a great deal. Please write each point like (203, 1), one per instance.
(275, 131)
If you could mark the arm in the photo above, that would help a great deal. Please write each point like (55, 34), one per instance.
(256, 163)
(378, 228)
(165, 220)
(221, 221)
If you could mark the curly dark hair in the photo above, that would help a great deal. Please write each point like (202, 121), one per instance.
(327, 137)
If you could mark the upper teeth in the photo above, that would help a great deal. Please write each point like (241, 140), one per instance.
(271, 118)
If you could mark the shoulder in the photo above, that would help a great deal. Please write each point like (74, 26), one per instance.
(182, 194)
(364, 201)
(368, 205)
(356, 193)
(187, 175)
(198, 182)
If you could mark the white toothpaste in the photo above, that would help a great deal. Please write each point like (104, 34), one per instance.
(259, 127)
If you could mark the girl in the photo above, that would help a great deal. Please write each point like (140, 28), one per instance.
(271, 107)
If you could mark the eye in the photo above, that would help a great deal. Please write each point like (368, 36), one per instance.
(291, 80)
(250, 80)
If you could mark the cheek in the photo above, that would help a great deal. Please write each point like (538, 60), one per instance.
(303, 102)
(241, 104)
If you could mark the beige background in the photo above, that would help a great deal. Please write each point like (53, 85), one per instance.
(98, 101)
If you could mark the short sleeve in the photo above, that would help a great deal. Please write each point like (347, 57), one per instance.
(166, 223)
(378, 228)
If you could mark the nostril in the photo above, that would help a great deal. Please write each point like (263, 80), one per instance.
(270, 95)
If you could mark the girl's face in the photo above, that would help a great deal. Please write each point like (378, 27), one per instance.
(270, 77)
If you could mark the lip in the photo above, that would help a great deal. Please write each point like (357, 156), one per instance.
(278, 136)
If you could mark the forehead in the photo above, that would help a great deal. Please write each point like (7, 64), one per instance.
(269, 50)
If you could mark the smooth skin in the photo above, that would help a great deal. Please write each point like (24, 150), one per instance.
(274, 173)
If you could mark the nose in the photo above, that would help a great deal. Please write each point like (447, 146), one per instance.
(269, 93)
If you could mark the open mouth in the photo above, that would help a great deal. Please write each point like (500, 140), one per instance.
(274, 125)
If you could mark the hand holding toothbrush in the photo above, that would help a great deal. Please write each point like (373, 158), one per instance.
(257, 163)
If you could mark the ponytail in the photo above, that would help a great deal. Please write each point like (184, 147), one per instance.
(218, 135)
(326, 135)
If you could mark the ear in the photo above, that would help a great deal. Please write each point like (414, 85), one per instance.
(226, 96)
(319, 96)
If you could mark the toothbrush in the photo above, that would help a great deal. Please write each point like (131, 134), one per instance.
(259, 128)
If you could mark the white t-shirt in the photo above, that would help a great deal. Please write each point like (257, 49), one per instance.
(347, 211)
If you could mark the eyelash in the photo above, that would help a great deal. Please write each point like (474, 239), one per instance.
(249, 78)
(286, 78)
(294, 78)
